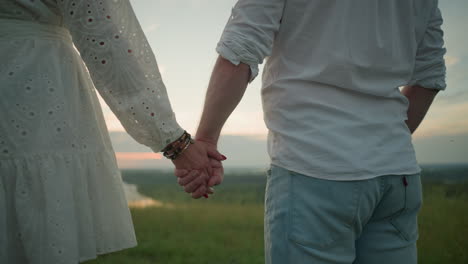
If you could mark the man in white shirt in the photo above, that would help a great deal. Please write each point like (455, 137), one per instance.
(344, 184)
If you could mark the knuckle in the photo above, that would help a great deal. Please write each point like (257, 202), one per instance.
(201, 190)
(203, 177)
(199, 180)
(189, 179)
(196, 193)
(179, 173)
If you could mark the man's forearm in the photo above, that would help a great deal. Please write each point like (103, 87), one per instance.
(225, 90)
(420, 99)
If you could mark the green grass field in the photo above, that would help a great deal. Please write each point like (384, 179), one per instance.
(228, 228)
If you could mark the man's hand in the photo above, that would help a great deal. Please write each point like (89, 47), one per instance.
(225, 90)
(189, 179)
(194, 168)
(197, 157)
(193, 182)
(218, 173)
(420, 99)
(216, 177)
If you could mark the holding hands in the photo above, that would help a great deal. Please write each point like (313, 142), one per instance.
(198, 168)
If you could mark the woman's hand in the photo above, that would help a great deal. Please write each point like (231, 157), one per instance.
(190, 178)
(217, 175)
(194, 168)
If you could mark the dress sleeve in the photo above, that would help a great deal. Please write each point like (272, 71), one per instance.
(429, 69)
(250, 31)
(123, 67)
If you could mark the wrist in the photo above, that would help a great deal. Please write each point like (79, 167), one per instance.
(212, 140)
(176, 148)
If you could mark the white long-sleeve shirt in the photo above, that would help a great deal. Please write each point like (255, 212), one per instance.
(117, 54)
(331, 81)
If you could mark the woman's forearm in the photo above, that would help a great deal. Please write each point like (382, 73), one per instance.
(420, 99)
(225, 90)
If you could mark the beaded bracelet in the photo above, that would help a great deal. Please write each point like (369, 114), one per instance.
(177, 151)
(173, 150)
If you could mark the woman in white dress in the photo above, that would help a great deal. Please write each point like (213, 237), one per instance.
(61, 197)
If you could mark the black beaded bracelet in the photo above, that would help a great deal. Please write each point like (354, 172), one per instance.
(173, 150)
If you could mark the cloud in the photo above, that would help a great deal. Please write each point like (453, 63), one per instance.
(444, 120)
(451, 60)
(151, 28)
(198, 3)
(138, 155)
(138, 159)
(247, 123)
(453, 97)
(130, 154)
(162, 69)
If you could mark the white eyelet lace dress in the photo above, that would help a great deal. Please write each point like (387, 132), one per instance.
(61, 196)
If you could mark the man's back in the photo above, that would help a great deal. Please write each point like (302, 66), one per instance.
(367, 46)
(330, 86)
(344, 185)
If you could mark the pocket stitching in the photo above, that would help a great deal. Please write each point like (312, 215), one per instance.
(400, 228)
(397, 226)
(347, 225)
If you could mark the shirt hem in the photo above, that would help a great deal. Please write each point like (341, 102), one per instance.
(347, 177)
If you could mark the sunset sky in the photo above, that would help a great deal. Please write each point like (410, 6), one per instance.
(184, 34)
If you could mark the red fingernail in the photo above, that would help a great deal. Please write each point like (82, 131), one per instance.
(205, 195)
(224, 157)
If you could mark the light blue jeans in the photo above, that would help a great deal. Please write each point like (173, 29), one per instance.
(310, 220)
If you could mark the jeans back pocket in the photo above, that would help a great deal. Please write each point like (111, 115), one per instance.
(321, 211)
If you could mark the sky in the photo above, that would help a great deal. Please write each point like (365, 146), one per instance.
(184, 34)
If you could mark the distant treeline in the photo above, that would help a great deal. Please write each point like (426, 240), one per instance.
(243, 186)
(449, 174)
(431, 173)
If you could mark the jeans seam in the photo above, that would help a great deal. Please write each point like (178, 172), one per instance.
(290, 205)
(357, 205)
(289, 212)
(401, 212)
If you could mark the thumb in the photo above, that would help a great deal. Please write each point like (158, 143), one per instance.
(215, 180)
(214, 154)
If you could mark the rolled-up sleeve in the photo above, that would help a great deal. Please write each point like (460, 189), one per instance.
(250, 31)
(429, 70)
